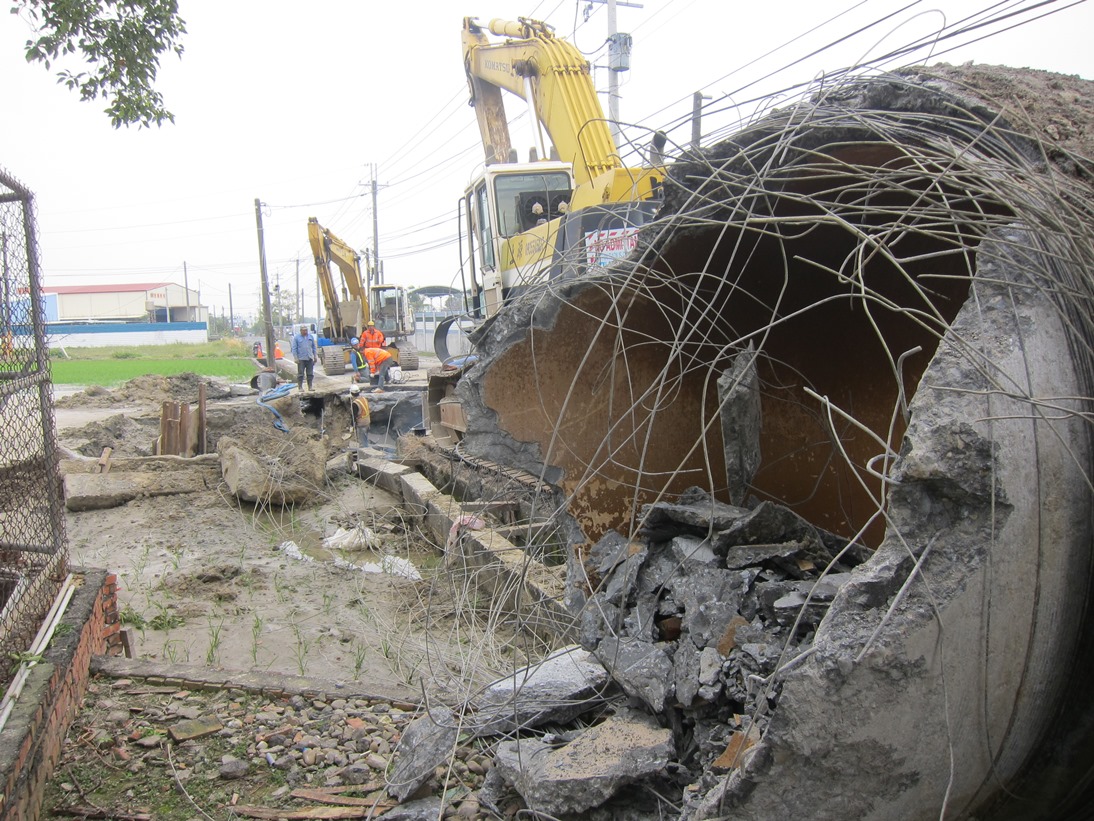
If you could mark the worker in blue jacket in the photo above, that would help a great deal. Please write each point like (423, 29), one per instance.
(304, 353)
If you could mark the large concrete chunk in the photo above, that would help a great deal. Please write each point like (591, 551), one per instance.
(955, 633)
(642, 669)
(280, 469)
(426, 743)
(589, 770)
(558, 689)
(913, 265)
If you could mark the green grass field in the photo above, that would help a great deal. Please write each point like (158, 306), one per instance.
(107, 367)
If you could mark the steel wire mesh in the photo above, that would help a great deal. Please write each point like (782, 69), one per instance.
(33, 547)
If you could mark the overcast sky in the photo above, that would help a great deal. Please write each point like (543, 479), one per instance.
(295, 103)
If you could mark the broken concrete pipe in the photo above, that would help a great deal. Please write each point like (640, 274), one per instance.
(855, 310)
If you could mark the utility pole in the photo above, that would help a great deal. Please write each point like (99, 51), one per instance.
(619, 60)
(375, 227)
(271, 360)
(185, 287)
(299, 302)
(231, 310)
(279, 305)
(697, 118)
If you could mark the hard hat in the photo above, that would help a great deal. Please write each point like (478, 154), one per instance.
(370, 322)
(354, 388)
(353, 341)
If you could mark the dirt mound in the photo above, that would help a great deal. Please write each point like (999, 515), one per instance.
(151, 389)
(126, 435)
(1056, 109)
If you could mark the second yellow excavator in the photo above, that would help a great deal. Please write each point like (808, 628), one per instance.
(348, 312)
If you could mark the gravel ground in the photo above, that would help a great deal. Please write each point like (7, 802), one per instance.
(140, 750)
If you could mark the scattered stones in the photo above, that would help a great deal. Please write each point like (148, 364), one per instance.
(325, 750)
(233, 768)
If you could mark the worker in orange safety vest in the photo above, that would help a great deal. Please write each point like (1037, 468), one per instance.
(372, 337)
(379, 361)
(362, 417)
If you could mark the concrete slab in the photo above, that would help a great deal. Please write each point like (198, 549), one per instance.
(98, 491)
(587, 771)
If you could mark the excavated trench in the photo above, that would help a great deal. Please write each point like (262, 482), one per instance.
(871, 310)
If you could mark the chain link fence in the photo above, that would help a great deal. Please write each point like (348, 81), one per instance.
(33, 548)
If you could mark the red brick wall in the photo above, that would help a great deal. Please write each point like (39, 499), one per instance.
(59, 684)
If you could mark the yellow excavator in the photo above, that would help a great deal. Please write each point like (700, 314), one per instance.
(570, 208)
(520, 220)
(349, 309)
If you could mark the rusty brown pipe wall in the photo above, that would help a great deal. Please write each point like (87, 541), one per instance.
(624, 398)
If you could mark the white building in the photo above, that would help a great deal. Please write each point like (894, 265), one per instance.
(149, 313)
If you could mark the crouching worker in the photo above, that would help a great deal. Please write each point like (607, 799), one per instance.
(357, 361)
(379, 362)
(359, 410)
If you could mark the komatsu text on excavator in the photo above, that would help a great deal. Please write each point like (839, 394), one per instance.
(347, 313)
(518, 218)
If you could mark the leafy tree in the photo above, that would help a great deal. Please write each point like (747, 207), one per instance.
(119, 40)
(283, 306)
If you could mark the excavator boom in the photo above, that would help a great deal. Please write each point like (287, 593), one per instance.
(345, 315)
(553, 77)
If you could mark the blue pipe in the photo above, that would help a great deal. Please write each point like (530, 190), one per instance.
(276, 393)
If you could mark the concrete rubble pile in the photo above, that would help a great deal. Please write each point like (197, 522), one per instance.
(696, 617)
(676, 678)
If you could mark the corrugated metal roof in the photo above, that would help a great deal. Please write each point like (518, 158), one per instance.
(104, 289)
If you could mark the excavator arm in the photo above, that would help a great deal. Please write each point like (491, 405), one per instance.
(552, 75)
(351, 310)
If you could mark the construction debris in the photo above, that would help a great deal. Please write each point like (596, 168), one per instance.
(560, 776)
(97, 491)
(846, 322)
(270, 466)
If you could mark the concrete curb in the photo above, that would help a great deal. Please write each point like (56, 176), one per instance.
(192, 677)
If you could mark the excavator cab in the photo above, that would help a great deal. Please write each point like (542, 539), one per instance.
(527, 199)
(505, 203)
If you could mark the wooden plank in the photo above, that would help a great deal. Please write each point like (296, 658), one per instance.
(332, 797)
(499, 506)
(161, 441)
(203, 428)
(186, 436)
(127, 642)
(95, 812)
(528, 530)
(104, 460)
(169, 428)
(317, 812)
